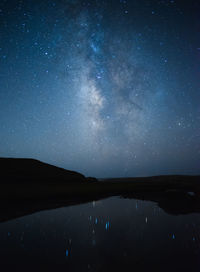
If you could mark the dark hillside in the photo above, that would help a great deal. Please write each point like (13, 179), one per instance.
(29, 169)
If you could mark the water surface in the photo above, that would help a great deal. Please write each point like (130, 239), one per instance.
(114, 234)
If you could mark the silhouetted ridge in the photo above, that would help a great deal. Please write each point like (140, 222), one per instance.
(29, 169)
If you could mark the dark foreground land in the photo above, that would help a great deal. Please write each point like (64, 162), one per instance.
(28, 186)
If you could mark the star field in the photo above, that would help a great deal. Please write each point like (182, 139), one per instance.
(107, 88)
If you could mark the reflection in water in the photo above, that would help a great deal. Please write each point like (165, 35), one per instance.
(114, 234)
(174, 202)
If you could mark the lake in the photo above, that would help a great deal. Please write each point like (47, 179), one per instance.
(113, 234)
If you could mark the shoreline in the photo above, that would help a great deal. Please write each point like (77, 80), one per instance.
(174, 194)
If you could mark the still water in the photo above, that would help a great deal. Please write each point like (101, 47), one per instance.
(114, 234)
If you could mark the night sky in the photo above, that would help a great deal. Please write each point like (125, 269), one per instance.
(106, 88)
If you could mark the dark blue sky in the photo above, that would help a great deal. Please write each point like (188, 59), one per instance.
(107, 88)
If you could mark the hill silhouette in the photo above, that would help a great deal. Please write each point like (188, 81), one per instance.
(28, 186)
(12, 170)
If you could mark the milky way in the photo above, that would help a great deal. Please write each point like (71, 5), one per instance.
(107, 88)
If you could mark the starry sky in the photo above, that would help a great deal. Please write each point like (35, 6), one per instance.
(106, 88)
